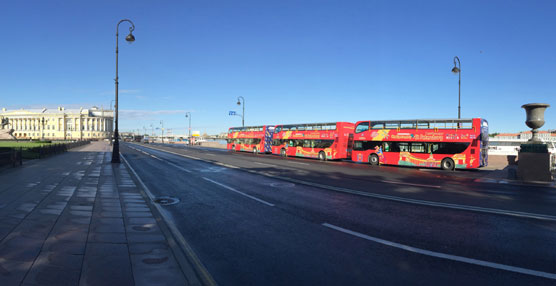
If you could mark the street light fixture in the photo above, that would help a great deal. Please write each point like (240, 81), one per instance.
(243, 113)
(457, 69)
(188, 114)
(130, 38)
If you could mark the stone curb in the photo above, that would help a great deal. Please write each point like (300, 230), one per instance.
(191, 266)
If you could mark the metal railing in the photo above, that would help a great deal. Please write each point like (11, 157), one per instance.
(14, 155)
(11, 156)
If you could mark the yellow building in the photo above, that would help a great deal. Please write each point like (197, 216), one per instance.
(60, 123)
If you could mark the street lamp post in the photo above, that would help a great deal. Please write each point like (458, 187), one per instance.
(162, 130)
(457, 69)
(188, 114)
(42, 129)
(130, 38)
(243, 113)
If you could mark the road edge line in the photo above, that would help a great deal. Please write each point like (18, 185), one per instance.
(188, 260)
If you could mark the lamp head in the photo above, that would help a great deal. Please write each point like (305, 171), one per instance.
(456, 70)
(238, 103)
(130, 38)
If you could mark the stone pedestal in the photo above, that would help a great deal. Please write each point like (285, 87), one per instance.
(534, 163)
(6, 134)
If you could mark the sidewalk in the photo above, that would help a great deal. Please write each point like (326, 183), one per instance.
(77, 219)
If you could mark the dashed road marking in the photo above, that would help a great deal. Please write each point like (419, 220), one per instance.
(299, 163)
(444, 255)
(264, 164)
(391, 198)
(411, 184)
(178, 166)
(239, 192)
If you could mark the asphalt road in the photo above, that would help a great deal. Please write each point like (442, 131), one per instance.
(266, 220)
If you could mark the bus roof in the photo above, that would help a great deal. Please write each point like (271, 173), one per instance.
(441, 120)
(315, 123)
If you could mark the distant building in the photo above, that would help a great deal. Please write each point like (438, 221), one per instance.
(509, 143)
(60, 124)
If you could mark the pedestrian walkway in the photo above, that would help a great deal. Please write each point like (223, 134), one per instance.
(77, 219)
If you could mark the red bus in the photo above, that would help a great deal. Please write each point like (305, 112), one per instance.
(325, 141)
(438, 143)
(250, 139)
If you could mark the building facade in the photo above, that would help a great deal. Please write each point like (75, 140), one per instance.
(60, 124)
(510, 143)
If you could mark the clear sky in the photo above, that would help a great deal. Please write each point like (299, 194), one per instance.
(294, 61)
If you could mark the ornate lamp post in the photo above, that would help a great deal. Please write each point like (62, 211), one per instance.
(162, 130)
(188, 114)
(130, 38)
(42, 129)
(457, 69)
(243, 113)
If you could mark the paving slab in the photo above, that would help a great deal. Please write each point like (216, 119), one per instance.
(77, 219)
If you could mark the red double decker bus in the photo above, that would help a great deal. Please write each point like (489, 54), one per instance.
(250, 139)
(438, 143)
(325, 141)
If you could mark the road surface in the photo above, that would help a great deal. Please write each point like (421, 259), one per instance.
(265, 220)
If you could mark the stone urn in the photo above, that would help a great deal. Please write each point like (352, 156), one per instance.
(535, 118)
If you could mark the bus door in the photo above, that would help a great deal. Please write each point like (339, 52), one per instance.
(349, 146)
(268, 133)
(484, 143)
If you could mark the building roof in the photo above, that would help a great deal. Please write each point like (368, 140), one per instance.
(552, 133)
(59, 110)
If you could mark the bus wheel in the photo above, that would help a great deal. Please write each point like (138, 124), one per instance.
(255, 151)
(322, 156)
(447, 164)
(233, 148)
(373, 159)
(283, 153)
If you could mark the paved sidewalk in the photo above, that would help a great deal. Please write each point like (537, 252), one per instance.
(77, 219)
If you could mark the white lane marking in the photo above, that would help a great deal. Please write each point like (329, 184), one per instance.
(182, 155)
(194, 259)
(227, 166)
(178, 166)
(210, 154)
(239, 192)
(444, 255)
(411, 184)
(299, 163)
(394, 198)
(414, 201)
(264, 164)
(156, 157)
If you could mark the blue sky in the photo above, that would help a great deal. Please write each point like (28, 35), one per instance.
(292, 60)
